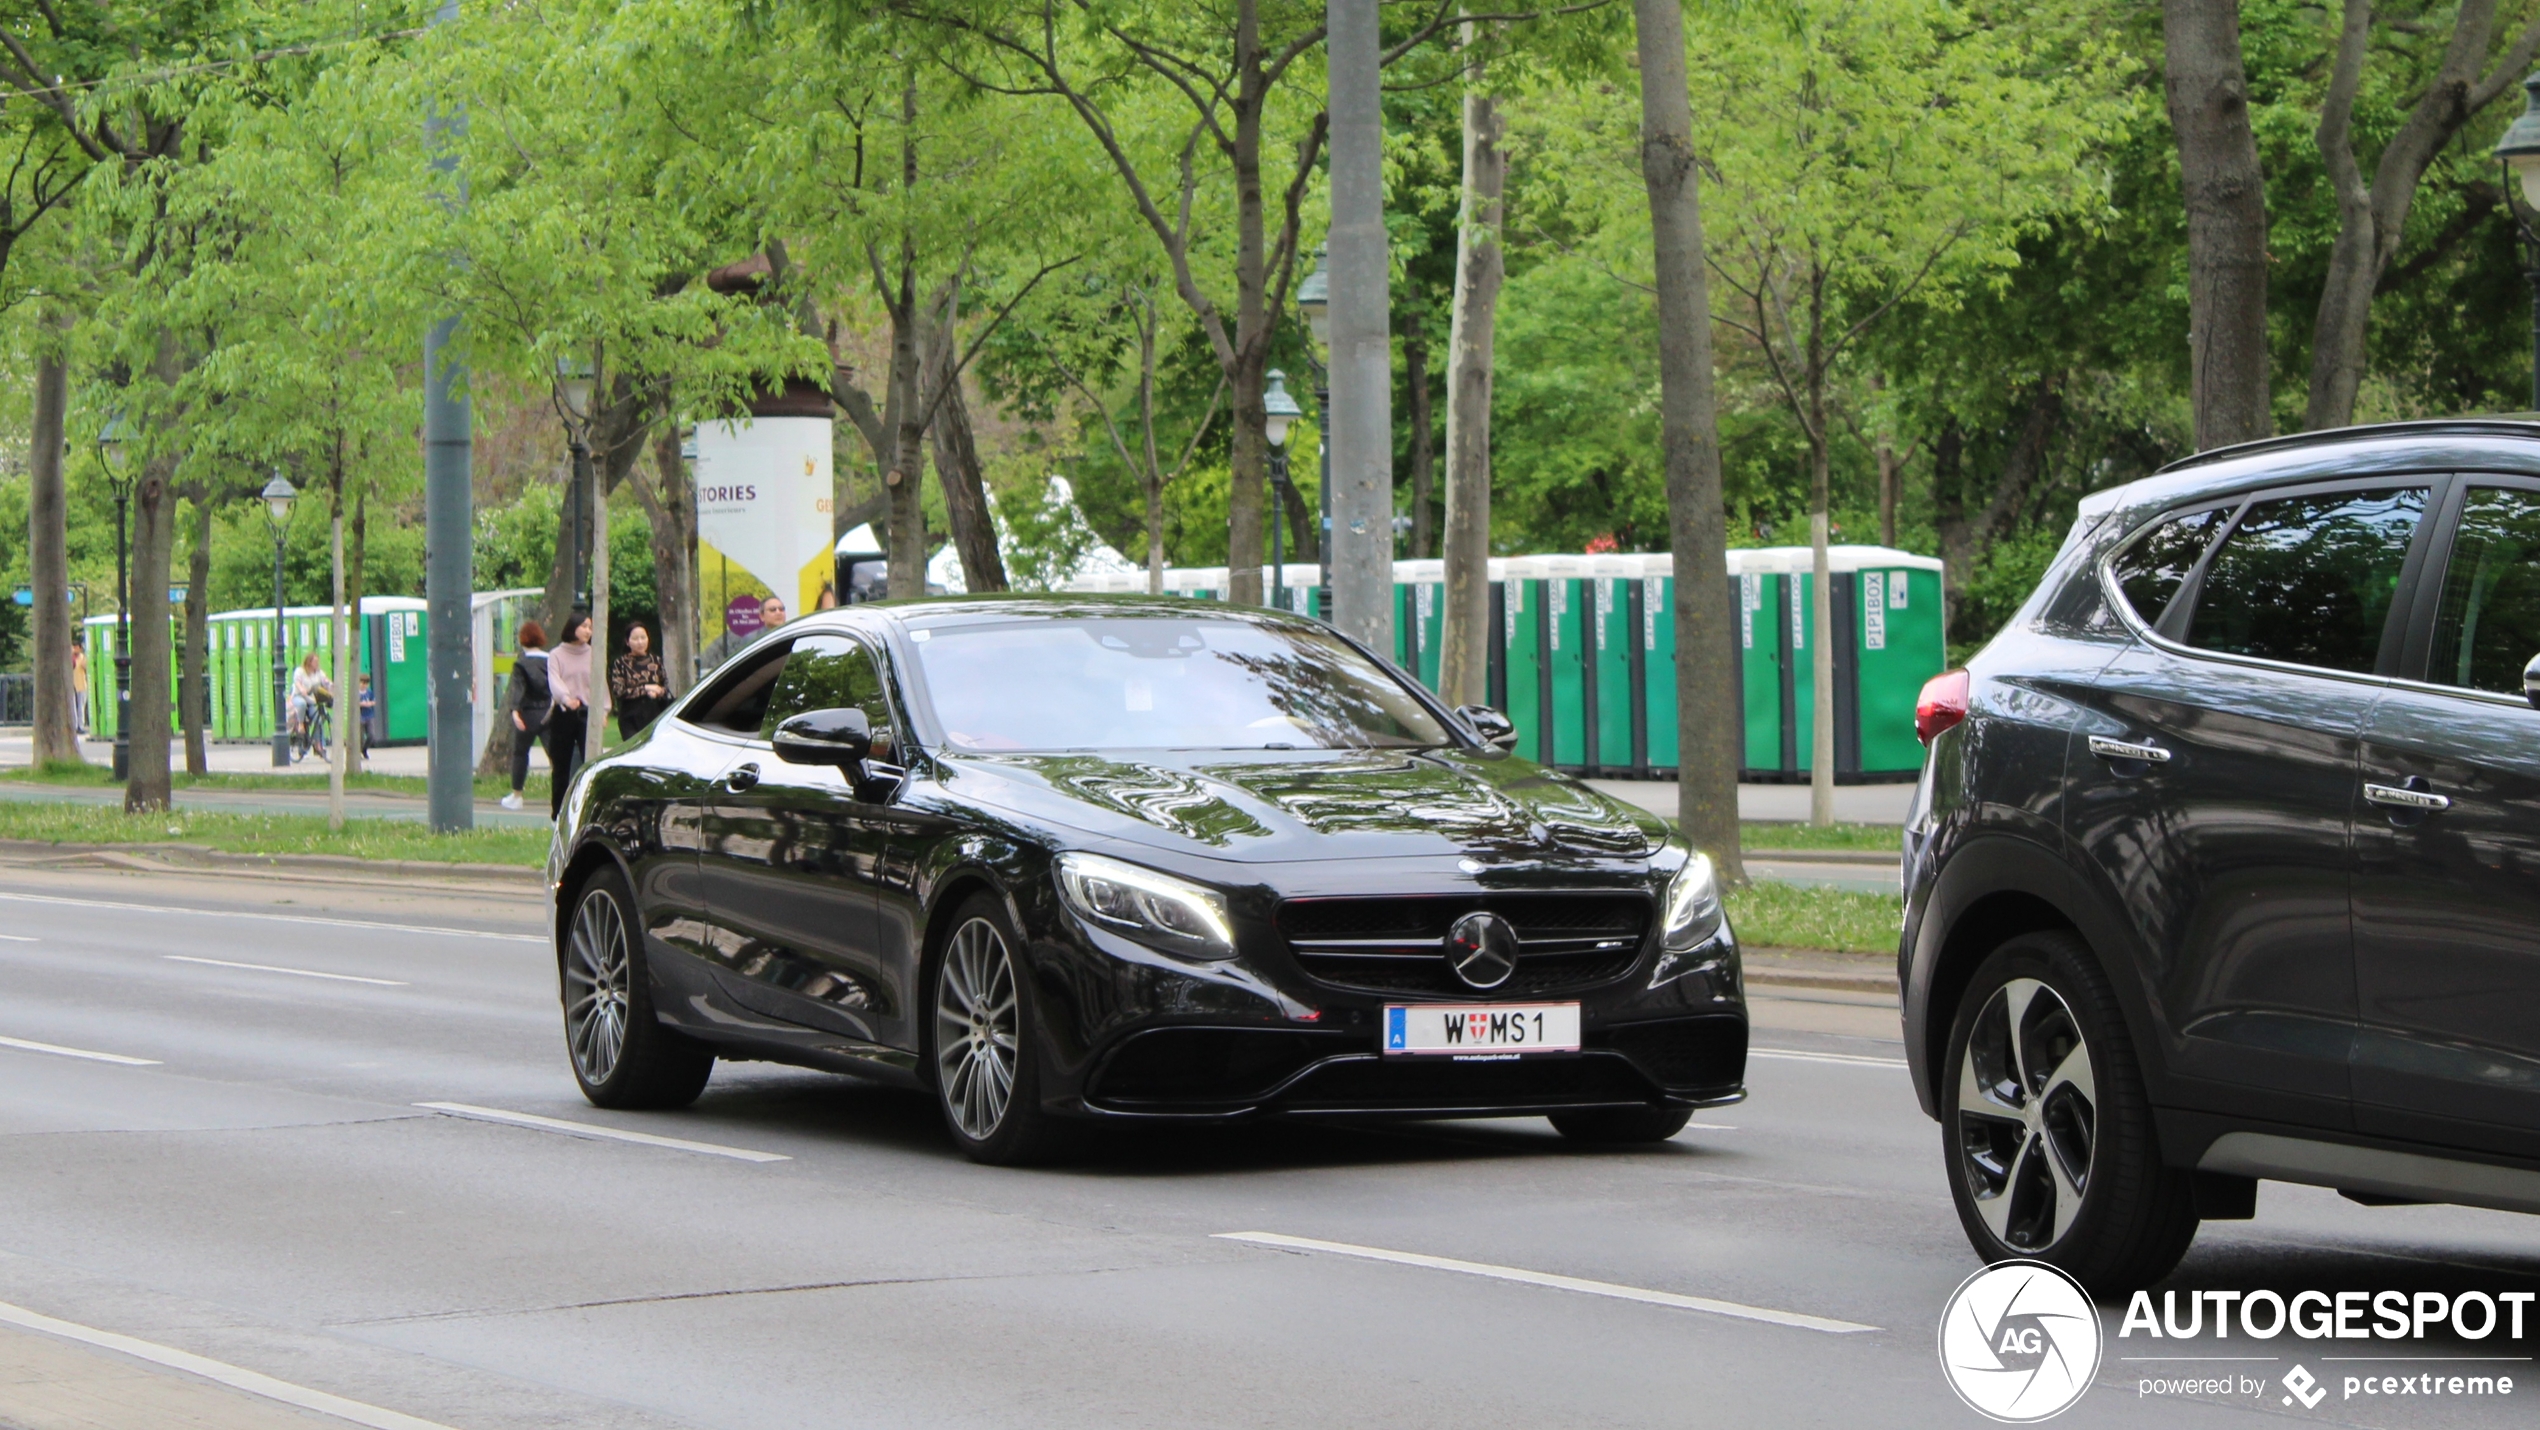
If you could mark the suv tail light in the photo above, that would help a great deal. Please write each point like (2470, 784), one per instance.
(1942, 704)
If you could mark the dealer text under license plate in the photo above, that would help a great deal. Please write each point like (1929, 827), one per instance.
(1494, 1031)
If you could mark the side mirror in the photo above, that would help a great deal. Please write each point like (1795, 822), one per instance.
(2531, 682)
(841, 737)
(1497, 730)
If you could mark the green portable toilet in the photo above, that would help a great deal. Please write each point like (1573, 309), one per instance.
(1618, 744)
(1296, 588)
(1759, 595)
(1567, 611)
(1653, 594)
(1889, 624)
(393, 654)
(1524, 680)
(1419, 617)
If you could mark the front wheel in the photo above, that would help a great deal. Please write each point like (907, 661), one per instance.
(2047, 1129)
(987, 1074)
(621, 1054)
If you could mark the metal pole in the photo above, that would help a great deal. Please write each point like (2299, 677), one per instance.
(281, 692)
(2531, 275)
(581, 519)
(123, 642)
(449, 543)
(1361, 439)
(1279, 526)
(1323, 495)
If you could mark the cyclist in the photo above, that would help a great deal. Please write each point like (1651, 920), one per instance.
(310, 688)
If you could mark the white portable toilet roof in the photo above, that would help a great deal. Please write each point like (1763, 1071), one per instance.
(860, 543)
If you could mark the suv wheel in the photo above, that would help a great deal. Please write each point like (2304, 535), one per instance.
(2046, 1128)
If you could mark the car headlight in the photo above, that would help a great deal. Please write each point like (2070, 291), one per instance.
(1693, 906)
(1155, 909)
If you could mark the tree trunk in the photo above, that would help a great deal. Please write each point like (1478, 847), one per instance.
(595, 740)
(1464, 647)
(1155, 535)
(153, 547)
(671, 511)
(191, 696)
(1888, 470)
(339, 632)
(1821, 629)
(1689, 440)
(1415, 375)
(974, 530)
(48, 554)
(1248, 461)
(357, 552)
(2208, 93)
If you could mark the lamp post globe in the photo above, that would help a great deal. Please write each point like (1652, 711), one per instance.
(2519, 152)
(1281, 412)
(277, 497)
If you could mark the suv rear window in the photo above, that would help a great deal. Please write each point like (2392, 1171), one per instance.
(2309, 579)
(2149, 571)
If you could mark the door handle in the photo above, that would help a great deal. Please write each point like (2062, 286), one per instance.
(2401, 797)
(741, 778)
(2108, 749)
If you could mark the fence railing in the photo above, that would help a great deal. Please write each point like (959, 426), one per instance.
(17, 699)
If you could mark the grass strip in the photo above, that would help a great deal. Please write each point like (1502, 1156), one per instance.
(1792, 916)
(270, 834)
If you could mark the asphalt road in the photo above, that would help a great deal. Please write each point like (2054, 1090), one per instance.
(252, 1180)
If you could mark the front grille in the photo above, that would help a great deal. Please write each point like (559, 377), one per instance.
(1397, 945)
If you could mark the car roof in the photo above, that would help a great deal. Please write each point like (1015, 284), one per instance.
(2508, 443)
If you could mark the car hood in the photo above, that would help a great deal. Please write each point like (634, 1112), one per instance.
(1314, 804)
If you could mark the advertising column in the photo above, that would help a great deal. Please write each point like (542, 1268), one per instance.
(763, 507)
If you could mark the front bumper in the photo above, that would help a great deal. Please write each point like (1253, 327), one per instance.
(1138, 1035)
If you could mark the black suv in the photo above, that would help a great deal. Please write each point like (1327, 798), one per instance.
(2225, 864)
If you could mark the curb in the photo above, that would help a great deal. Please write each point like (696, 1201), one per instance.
(527, 878)
(1866, 858)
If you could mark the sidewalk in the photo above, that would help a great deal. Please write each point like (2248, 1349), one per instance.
(50, 1384)
(1853, 804)
(17, 750)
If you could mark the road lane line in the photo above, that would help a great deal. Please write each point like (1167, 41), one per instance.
(1794, 1319)
(593, 1129)
(272, 968)
(220, 1372)
(1852, 1060)
(540, 939)
(16, 938)
(59, 1051)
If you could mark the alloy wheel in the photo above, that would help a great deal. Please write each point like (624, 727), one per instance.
(595, 979)
(977, 1026)
(2027, 1115)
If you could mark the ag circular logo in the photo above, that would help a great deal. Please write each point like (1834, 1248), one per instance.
(2019, 1341)
(1482, 949)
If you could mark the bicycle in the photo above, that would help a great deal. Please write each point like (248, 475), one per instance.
(311, 736)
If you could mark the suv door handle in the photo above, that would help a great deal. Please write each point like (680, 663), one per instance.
(741, 778)
(2108, 749)
(2400, 797)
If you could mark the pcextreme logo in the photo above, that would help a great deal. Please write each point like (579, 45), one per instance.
(2019, 1342)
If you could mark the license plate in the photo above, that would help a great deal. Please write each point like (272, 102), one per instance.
(1486, 1031)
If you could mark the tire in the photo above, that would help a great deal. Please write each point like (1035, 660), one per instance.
(2048, 1135)
(1621, 1126)
(621, 1054)
(982, 1047)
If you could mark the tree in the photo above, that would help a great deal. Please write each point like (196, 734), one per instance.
(2208, 89)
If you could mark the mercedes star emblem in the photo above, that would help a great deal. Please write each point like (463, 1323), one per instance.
(1482, 949)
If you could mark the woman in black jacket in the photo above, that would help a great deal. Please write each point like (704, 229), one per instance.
(528, 701)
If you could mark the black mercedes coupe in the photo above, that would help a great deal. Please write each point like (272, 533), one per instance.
(1070, 859)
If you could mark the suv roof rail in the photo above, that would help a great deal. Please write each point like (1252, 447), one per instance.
(2502, 424)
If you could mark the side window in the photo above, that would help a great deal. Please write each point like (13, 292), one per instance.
(2488, 625)
(826, 672)
(738, 702)
(2308, 579)
(2151, 570)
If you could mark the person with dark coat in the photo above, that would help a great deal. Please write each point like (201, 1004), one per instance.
(636, 685)
(529, 702)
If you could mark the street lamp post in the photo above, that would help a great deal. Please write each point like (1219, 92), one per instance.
(278, 495)
(573, 386)
(1282, 411)
(110, 440)
(2519, 153)
(1313, 300)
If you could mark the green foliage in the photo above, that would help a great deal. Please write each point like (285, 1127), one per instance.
(1770, 915)
(270, 834)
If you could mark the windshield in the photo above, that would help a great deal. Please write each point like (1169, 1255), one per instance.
(1161, 682)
